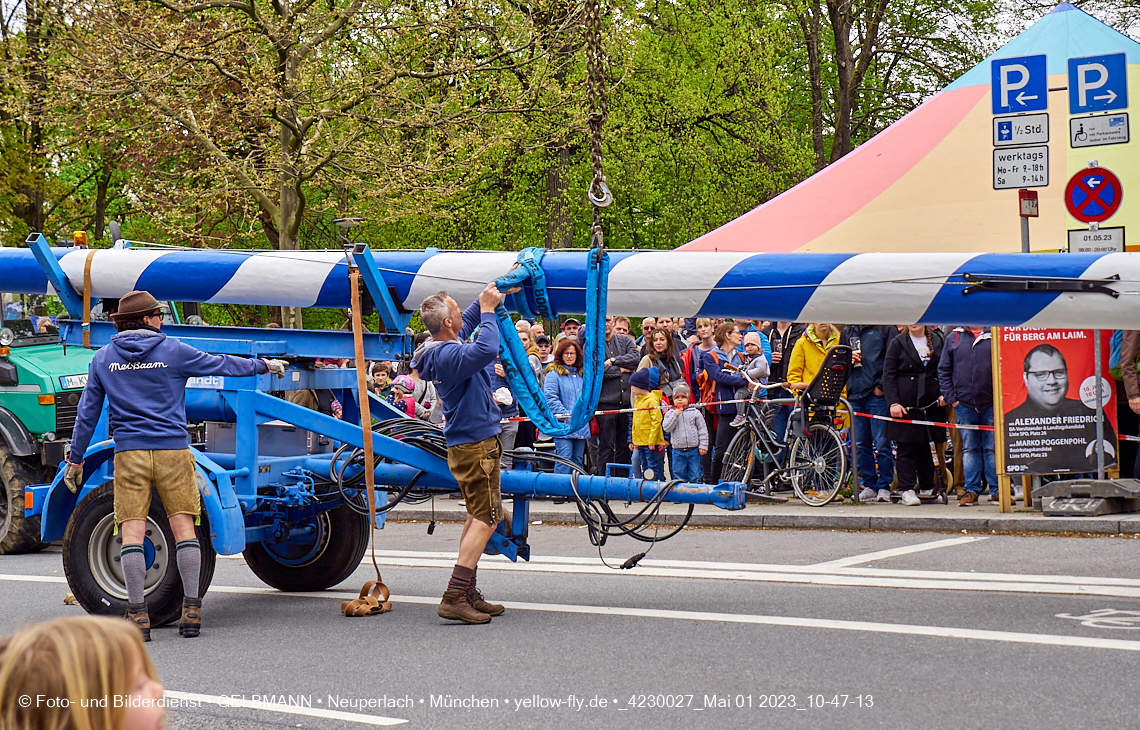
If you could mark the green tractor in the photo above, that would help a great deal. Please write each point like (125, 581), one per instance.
(40, 384)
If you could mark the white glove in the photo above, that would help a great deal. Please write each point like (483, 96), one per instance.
(503, 396)
(276, 367)
(72, 476)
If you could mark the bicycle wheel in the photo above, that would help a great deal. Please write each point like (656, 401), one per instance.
(818, 465)
(739, 458)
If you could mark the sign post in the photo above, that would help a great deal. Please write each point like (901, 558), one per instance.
(1027, 199)
(1099, 408)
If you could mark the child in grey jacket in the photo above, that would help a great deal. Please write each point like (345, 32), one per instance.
(756, 368)
(689, 436)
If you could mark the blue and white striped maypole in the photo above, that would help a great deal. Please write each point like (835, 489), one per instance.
(1039, 290)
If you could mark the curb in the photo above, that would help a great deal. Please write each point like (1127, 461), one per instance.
(1023, 523)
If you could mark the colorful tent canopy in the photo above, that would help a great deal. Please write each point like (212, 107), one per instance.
(926, 182)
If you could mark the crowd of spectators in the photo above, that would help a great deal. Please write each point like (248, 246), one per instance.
(673, 365)
(654, 382)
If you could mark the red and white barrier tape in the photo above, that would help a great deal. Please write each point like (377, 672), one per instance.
(616, 411)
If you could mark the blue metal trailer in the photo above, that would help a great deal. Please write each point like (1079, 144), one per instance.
(280, 483)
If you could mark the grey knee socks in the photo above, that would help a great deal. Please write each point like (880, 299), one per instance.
(189, 566)
(133, 560)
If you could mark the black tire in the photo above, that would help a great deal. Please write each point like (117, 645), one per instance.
(818, 465)
(337, 546)
(90, 559)
(18, 534)
(739, 457)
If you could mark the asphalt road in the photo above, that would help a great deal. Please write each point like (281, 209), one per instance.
(716, 629)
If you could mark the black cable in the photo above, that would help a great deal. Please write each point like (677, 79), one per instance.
(601, 521)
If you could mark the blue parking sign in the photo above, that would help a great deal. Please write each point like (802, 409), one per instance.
(1098, 83)
(1019, 84)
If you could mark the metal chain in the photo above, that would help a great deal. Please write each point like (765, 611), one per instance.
(599, 194)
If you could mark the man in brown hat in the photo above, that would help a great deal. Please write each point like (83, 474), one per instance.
(143, 374)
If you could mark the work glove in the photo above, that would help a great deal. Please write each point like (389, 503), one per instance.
(72, 476)
(276, 367)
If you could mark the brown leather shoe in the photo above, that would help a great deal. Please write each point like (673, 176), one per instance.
(137, 615)
(969, 499)
(191, 623)
(475, 598)
(455, 606)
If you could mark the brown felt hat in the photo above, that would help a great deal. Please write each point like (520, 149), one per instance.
(136, 304)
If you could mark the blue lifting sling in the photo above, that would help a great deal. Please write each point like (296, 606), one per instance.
(533, 301)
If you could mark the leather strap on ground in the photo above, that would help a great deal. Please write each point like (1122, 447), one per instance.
(369, 602)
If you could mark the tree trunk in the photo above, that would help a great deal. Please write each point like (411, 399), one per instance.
(102, 183)
(810, 27)
(559, 226)
(839, 11)
(33, 211)
(292, 200)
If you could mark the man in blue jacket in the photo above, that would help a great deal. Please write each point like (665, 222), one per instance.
(142, 374)
(471, 430)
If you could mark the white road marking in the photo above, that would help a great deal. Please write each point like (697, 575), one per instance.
(244, 704)
(788, 621)
(895, 552)
(819, 574)
(949, 632)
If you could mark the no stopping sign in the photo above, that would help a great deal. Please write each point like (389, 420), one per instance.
(1093, 195)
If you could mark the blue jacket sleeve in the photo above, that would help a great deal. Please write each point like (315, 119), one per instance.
(471, 320)
(946, 373)
(712, 366)
(193, 363)
(469, 358)
(90, 406)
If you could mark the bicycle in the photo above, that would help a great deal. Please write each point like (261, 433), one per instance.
(815, 464)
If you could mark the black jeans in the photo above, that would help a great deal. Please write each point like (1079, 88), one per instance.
(613, 438)
(724, 434)
(914, 466)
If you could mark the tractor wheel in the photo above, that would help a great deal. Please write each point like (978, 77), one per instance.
(18, 534)
(91, 559)
(318, 554)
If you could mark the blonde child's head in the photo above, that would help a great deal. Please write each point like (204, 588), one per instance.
(72, 670)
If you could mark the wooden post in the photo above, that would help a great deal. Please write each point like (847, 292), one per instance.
(1027, 489)
(1004, 490)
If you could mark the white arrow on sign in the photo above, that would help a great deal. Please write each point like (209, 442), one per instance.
(1109, 97)
(1022, 98)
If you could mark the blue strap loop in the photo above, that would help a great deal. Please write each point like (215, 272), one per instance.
(533, 301)
(513, 357)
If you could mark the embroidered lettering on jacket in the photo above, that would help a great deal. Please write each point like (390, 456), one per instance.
(117, 366)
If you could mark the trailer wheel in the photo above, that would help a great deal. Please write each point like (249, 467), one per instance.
(330, 549)
(18, 534)
(91, 559)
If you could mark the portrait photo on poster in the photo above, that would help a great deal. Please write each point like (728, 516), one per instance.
(1049, 401)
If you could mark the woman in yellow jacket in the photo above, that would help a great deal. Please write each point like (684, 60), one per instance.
(807, 355)
(807, 358)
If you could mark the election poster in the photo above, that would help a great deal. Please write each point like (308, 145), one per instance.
(1048, 401)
